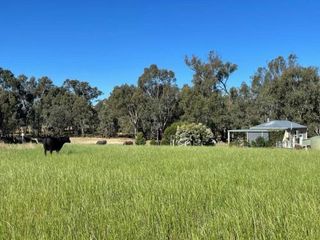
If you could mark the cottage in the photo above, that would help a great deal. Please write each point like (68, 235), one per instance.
(294, 133)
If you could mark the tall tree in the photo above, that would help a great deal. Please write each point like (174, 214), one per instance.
(57, 111)
(84, 113)
(162, 96)
(286, 90)
(128, 101)
(82, 89)
(44, 85)
(210, 76)
(8, 112)
(108, 119)
(8, 103)
(207, 99)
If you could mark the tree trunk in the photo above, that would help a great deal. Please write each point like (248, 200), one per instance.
(82, 129)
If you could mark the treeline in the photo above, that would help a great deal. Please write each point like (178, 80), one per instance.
(39, 107)
(281, 90)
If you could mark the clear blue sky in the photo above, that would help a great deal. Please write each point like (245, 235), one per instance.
(110, 42)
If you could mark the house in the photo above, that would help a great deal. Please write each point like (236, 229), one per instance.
(293, 133)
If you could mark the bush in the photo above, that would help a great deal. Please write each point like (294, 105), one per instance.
(165, 141)
(194, 134)
(140, 140)
(169, 132)
(153, 142)
(274, 137)
(240, 143)
(260, 142)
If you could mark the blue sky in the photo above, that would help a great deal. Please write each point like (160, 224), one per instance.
(110, 42)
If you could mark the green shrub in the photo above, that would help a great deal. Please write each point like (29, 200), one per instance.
(140, 140)
(275, 137)
(153, 142)
(260, 142)
(164, 142)
(194, 134)
(239, 142)
(246, 144)
(169, 132)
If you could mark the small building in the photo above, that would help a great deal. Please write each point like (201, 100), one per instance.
(293, 133)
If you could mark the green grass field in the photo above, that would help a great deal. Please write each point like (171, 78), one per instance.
(130, 192)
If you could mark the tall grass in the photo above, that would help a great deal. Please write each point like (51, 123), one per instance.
(130, 192)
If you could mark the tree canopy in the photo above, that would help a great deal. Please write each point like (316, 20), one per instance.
(282, 89)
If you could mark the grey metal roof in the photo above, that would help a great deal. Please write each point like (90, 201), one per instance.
(279, 125)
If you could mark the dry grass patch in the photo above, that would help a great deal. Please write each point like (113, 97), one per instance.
(93, 140)
(17, 146)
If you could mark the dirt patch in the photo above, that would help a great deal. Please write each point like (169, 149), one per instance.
(17, 146)
(93, 140)
(74, 140)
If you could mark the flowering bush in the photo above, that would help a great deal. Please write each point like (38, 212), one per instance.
(194, 135)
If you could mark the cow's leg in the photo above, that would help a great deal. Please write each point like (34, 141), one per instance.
(51, 152)
(45, 152)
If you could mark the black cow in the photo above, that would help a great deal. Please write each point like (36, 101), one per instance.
(54, 143)
(8, 139)
(12, 139)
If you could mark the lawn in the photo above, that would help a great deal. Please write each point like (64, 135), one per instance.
(133, 192)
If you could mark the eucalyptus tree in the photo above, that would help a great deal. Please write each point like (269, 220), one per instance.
(211, 75)
(128, 102)
(208, 98)
(108, 119)
(286, 90)
(162, 96)
(8, 102)
(82, 89)
(85, 116)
